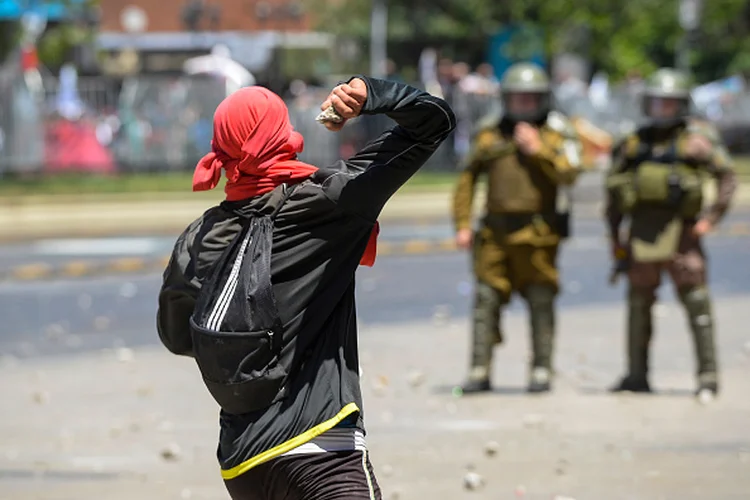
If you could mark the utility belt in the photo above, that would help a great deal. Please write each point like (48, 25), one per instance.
(557, 222)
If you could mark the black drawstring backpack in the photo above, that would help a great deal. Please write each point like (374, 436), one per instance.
(236, 330)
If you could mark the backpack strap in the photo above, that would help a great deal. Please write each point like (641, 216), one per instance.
(286, 193)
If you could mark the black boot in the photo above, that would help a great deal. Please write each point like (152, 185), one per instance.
(540, 300)
(711, 387)
(476, 386)
(640, 330)
(632, 384)
(540, 381)
(708, 386)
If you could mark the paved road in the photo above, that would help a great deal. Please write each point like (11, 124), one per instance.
(96, 425)
(66, 316)
(59, 250)
(86, 424)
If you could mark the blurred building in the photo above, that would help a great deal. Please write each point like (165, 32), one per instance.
(169, 16)
(149, 36)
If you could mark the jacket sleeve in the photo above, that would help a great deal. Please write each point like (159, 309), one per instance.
(722, 169)
(423, 122)
(719, 164)
(475, 165)
(612, 215)
(177, 297)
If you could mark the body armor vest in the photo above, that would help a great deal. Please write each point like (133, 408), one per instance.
(517, 186)
(663, 181)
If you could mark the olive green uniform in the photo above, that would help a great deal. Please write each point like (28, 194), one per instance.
(516, 244)
(657, 185)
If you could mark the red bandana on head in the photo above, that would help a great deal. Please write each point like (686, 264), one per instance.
(256, 145)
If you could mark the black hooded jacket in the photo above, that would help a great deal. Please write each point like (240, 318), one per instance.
(319, 237)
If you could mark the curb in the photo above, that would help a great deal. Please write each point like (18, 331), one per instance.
(38, 271)
(113, 216)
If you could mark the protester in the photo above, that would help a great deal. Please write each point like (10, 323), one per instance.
(277, 260)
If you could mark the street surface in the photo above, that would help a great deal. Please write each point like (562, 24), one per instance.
(66, 316)
(93, 408)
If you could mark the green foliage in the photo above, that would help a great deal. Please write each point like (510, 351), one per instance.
(56, 43)
(617, 36)
(10, 33)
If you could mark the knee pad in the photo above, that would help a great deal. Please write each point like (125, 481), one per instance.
(485, 294)
(542, 295)
(641, 297)
(697, 301)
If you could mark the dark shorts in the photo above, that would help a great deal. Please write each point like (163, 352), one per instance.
(345, 475)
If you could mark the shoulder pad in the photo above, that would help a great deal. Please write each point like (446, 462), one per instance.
(704, 128)
(489, 121)
(561, 124)
(618, 143)
(485, 138)
(627, 145)
(626, 128)
(619, 139)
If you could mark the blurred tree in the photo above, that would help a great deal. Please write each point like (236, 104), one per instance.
(619, 36)
(57, 44)
(10, 33)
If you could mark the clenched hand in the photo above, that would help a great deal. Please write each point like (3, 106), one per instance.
(464, 238)
(702, 228)
(347, 99)
(527, 139)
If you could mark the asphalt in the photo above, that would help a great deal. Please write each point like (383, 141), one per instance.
(138, 423)
(69, 315)
(91, 406)
(127, 254)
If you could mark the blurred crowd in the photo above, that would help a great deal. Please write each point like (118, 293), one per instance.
(152, 122)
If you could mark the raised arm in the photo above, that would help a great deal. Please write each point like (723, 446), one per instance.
(475, 164)
(560, 156)
(385, 164)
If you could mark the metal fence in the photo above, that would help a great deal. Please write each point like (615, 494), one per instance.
(147, 124)
(165, 124)
(105, 126)
(730, 113)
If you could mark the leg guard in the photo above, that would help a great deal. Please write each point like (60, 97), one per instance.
(697, 302)
(640, 331)
(541, 301)
(486, 330)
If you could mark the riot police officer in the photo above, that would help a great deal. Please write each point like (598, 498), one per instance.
(657, 183)
(528, 153)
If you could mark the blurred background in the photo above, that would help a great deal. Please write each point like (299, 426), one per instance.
(114, 86)
(105, 108)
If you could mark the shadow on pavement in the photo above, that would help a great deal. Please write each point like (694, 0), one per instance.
(53, 475)
(444, 390)
(605, 391)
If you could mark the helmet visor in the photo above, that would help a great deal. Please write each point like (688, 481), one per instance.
(524, 103)
(664, 107)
